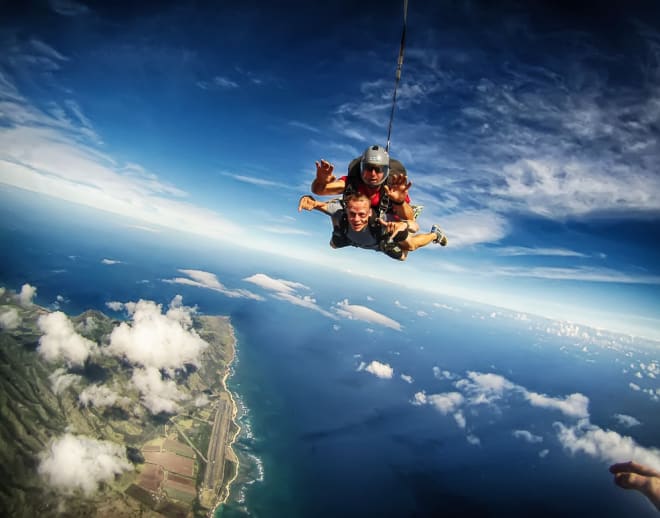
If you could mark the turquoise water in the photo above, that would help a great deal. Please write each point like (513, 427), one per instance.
(320, 437)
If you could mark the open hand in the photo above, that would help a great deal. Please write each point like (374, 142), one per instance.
(397, 188)
(324, 171)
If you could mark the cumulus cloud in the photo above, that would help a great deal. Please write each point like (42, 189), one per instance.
(604, 445)
(447, 402)
(484, 388)
(406, 378)
(110, 261)
(201, 400)
(60, 341)
(115, 306)
(158, 395)
(100, 396)
(60, 380)
(9, 318)
(27, 294)
(378, 369)
(365, 314)
(479, 388)
(154, 339)
(81, 463)
(626, 420)
(419, 398)
(209, 281)
(288, 292)
(527, 436)
(473, 440)
(442, 374)
(575, 405)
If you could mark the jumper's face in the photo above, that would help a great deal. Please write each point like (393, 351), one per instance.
(358, 212)
(373, 175)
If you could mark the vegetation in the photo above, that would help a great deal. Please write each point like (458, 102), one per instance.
(34, 412)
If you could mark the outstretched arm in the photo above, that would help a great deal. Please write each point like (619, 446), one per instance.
(308, 203)
(325, 182)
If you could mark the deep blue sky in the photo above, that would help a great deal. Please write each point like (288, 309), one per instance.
(530, 133)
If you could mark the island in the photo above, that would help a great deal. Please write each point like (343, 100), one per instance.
(183, 464)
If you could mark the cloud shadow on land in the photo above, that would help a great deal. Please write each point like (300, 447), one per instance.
(91, 371)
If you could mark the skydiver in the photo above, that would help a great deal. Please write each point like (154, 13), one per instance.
(370, 175)
(358, 225)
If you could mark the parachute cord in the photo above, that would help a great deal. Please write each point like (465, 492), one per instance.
(398, 72)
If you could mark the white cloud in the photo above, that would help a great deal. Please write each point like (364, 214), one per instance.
(55, 152)
(521, 250)
(158, 395)
(378, 369)
(459, 417)
(551, 185)
(254, 180)
(473, 440)
(218, 83)
(27, 294)
(60, 341)
(100, 396)
(527, 436)
(469, 228)
(544, 453)
(287, 291)
(419, 399)
(110, 261)
(201, 400)
(115, 306)
(406, 378)
(448, 402)
(626, 420)
(365, 314)
(202, 279)
(9, 318)
(605, 445)
(278, 285)
(634, 386)
(68, 7)
(60, 380)
(484, 388)
(442, 374)
(575, 405)
(77, 462)
(153, 339)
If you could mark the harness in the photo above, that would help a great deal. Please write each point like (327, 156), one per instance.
(386, 245)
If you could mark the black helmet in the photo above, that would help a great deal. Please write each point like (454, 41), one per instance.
(378, 157)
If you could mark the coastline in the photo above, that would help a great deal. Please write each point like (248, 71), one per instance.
(224, 496)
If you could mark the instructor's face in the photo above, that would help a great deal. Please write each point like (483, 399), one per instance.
(358, 212)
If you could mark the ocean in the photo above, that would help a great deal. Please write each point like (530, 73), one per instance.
(322, 435)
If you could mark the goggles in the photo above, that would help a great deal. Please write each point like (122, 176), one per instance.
(366, 167)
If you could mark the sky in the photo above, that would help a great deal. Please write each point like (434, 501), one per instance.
(530, 133)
